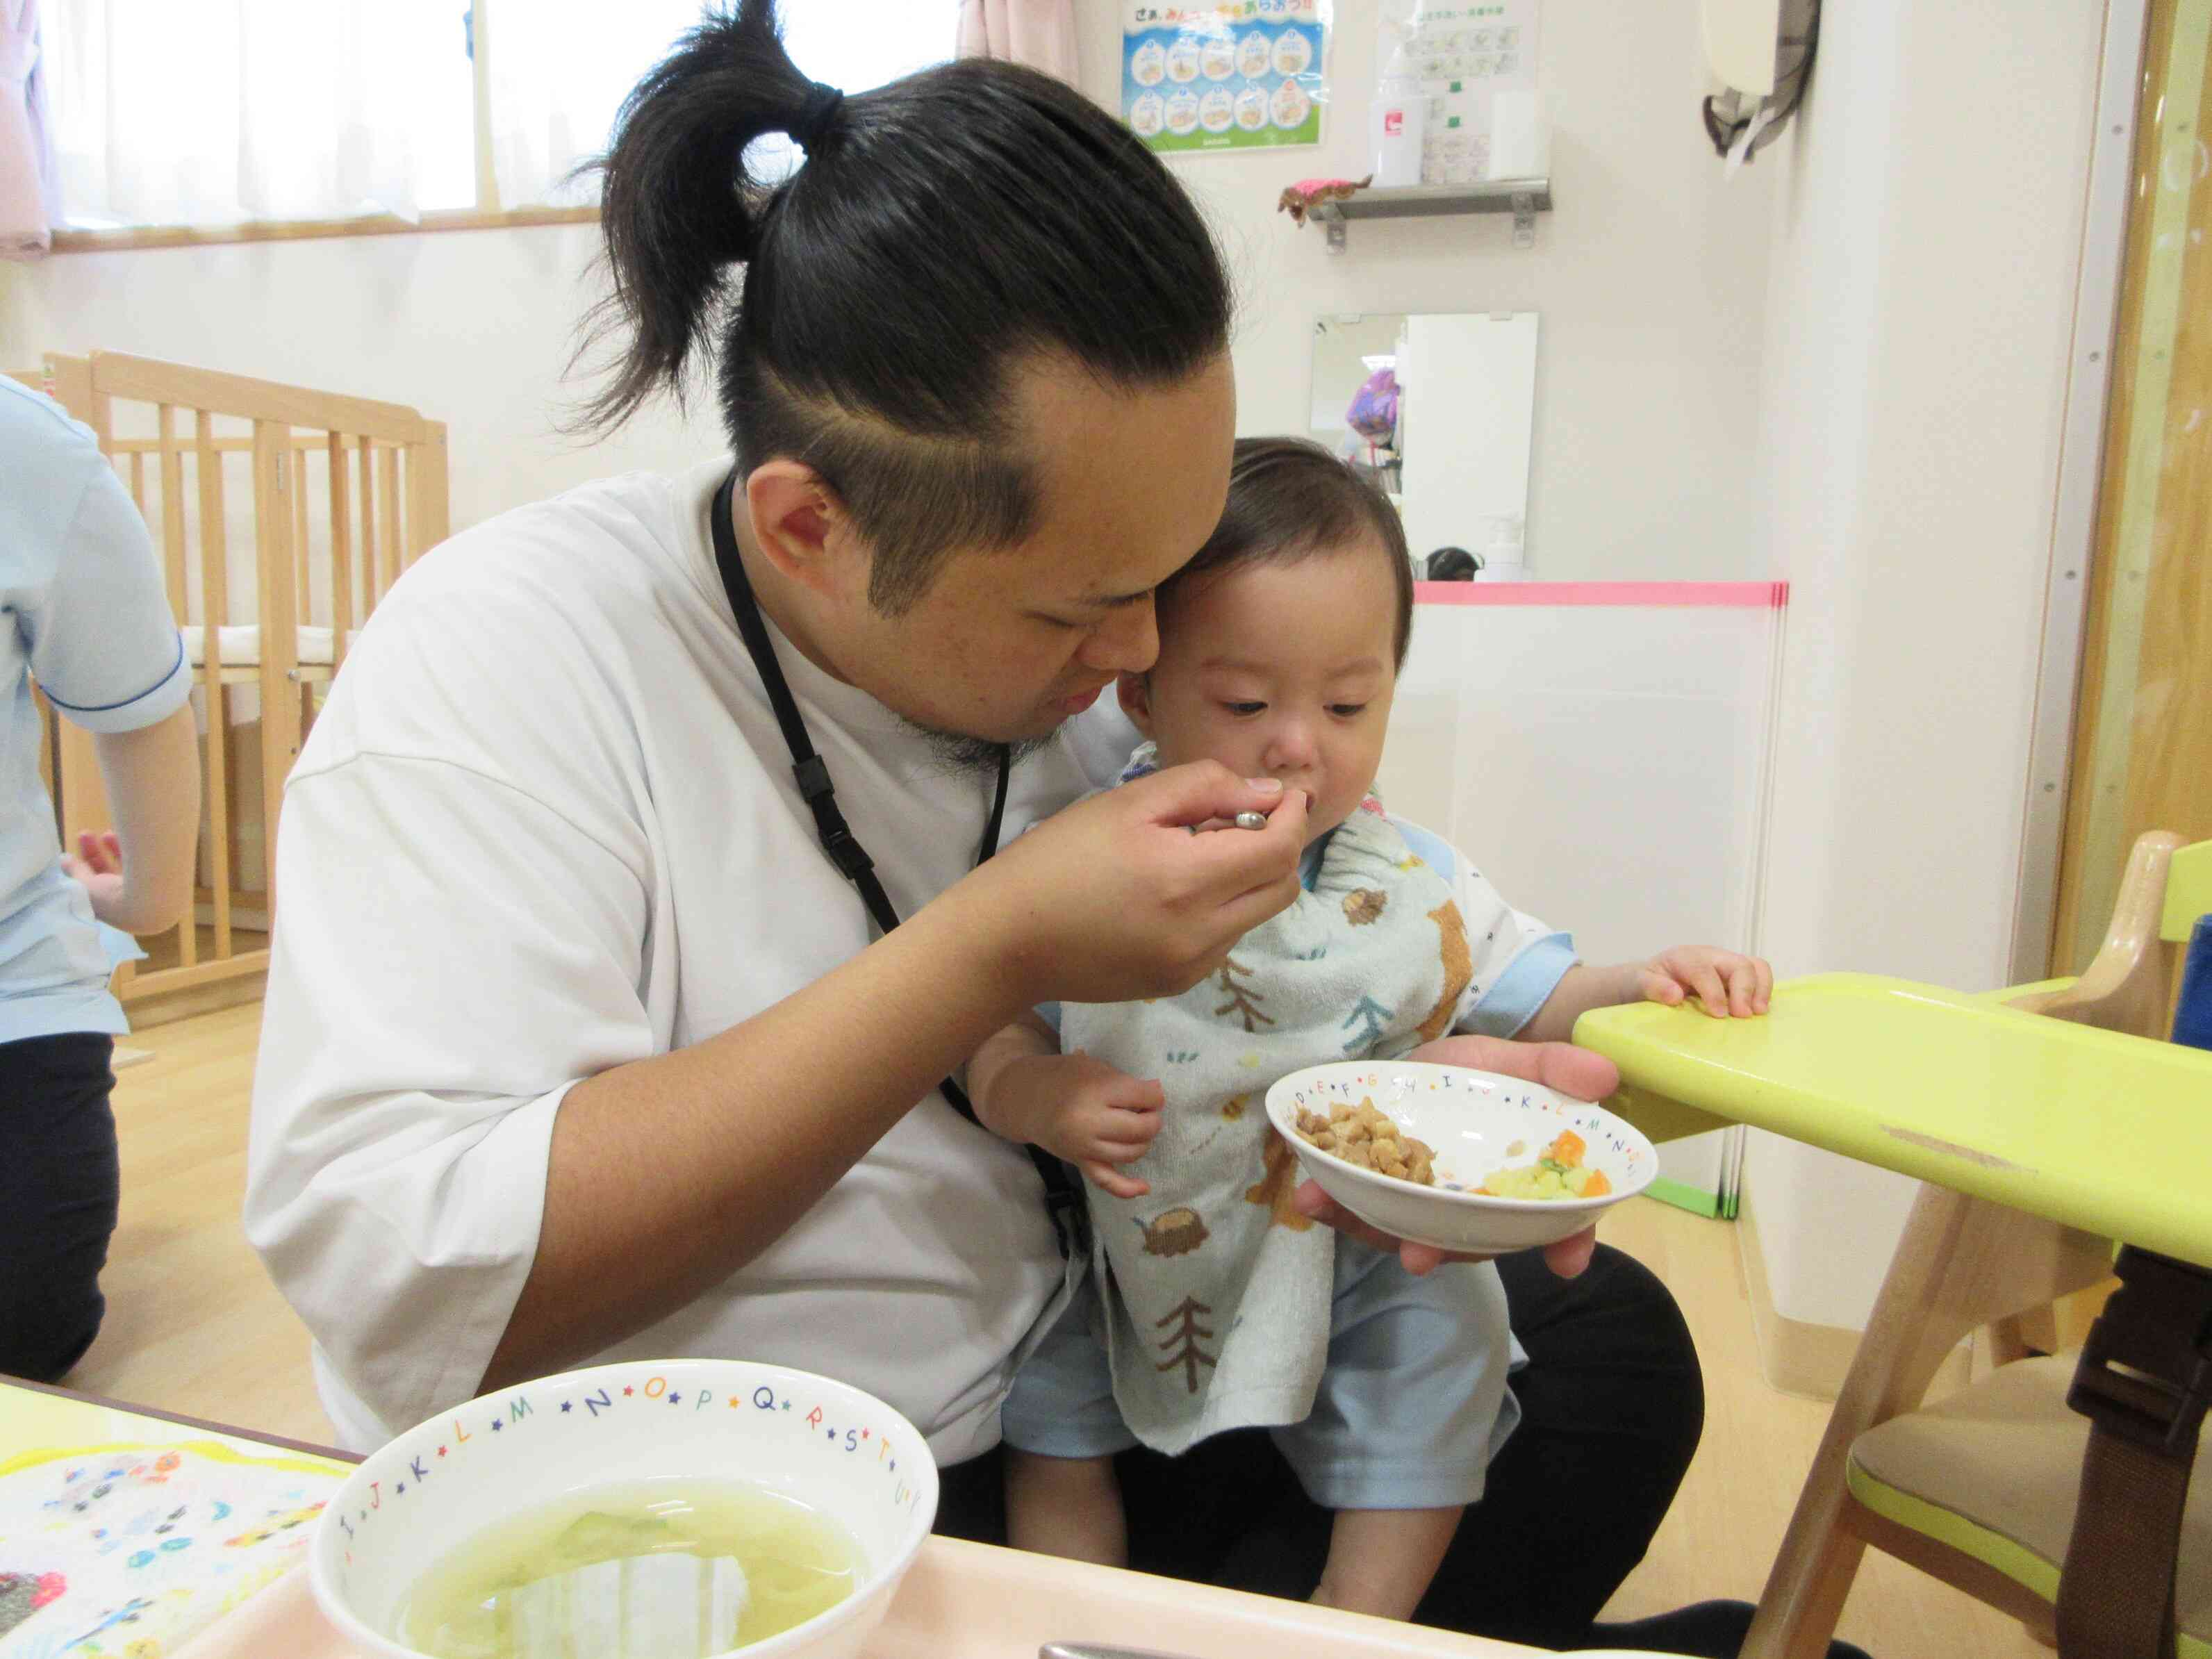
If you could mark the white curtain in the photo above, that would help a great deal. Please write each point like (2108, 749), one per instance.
(553, 102)
(211, 112)
(1038, 33)
(27, 188)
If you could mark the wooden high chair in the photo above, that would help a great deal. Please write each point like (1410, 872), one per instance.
(1980, 1489)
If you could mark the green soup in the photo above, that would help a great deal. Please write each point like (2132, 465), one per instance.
(661, 1570)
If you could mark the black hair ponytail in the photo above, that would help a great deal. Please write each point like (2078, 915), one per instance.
(943, 227)
(676, 207)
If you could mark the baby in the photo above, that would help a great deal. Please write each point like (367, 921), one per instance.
(1213, 1303)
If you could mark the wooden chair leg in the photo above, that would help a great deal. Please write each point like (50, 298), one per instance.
(1955, 1251)
(2019, 1336)
(1819, 1584)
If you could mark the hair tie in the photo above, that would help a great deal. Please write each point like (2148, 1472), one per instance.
(811, 124)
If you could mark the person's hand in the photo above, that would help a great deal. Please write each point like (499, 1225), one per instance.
(1724, 983)
(1077, 1108)
(1116, 899)
(97, 867)
(1560, 1066)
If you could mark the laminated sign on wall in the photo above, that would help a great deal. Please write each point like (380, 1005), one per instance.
(1464, 54)
(1236, 74)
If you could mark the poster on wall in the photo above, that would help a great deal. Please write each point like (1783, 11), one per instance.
(1231, 76)
(1466, 54)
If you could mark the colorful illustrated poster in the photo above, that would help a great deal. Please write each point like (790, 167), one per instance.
(1235, 74)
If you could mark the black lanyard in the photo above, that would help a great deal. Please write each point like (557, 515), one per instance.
(1063, 1200)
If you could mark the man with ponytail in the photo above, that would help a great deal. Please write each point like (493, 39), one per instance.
(658, 861)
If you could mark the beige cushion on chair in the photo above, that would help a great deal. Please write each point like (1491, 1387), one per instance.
(1993, 1472)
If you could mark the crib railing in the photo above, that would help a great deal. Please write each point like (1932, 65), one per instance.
(276, 509)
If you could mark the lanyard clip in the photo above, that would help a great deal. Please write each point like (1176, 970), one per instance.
(813, 775)
(846, 854)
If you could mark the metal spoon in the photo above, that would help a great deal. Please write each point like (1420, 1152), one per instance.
(1242, 821)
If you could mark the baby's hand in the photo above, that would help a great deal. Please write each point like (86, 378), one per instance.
(1724, 982)
(1078, 1109)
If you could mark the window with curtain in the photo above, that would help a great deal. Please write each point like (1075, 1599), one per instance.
(221, 110)
(225, 111)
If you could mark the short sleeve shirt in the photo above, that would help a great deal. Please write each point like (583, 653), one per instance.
(83, 612)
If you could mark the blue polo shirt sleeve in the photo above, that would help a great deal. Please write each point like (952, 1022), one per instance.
(79, 577)
(1517, 961)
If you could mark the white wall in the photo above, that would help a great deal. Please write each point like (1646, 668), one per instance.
(1923, 268)
(1650, 278)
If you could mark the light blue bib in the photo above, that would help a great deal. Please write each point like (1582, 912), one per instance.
(1216, 1290)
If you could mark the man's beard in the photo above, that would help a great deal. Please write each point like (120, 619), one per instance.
(957, 753)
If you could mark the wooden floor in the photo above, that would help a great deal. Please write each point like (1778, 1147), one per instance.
(194, 1326)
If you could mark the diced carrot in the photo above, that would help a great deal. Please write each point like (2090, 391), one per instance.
(1568, 1149)
(1597, 1186)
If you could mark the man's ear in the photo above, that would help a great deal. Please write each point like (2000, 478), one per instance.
(801, 527)
(1136, 701)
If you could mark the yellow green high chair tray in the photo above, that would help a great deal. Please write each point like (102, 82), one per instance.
(2095, 1129)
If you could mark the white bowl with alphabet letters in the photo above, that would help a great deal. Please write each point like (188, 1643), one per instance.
(841, 1451)
(1475, 1122)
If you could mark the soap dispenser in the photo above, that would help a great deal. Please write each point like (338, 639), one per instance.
(1402, 115)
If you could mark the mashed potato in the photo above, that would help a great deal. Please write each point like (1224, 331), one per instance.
(1558, 1172)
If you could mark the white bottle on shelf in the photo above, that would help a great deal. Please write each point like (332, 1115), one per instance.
(1401, 118)
(1505, 560)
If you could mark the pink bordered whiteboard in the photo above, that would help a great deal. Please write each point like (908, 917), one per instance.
(1601, 752)
(1695, 596)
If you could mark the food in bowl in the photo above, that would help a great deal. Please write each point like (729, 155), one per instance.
(1559, 1172)
(1477, 1121)
(1371, 1140)
(672, 1569)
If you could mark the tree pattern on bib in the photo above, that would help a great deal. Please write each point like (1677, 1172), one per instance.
(1181, 1344)
(1243, 1000)
(1372, 1023)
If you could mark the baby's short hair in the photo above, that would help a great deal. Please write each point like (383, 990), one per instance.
(1290, 500)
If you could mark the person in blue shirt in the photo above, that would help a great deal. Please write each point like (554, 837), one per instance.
(82, 611)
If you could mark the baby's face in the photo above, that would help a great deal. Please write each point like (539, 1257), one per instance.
(1280, 671)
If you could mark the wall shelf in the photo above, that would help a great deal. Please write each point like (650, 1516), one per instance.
(1524, 198)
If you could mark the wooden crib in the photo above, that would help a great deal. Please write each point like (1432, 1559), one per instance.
(281, 516)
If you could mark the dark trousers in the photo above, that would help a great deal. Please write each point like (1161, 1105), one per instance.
(1611, 1405)
(59, 1181)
